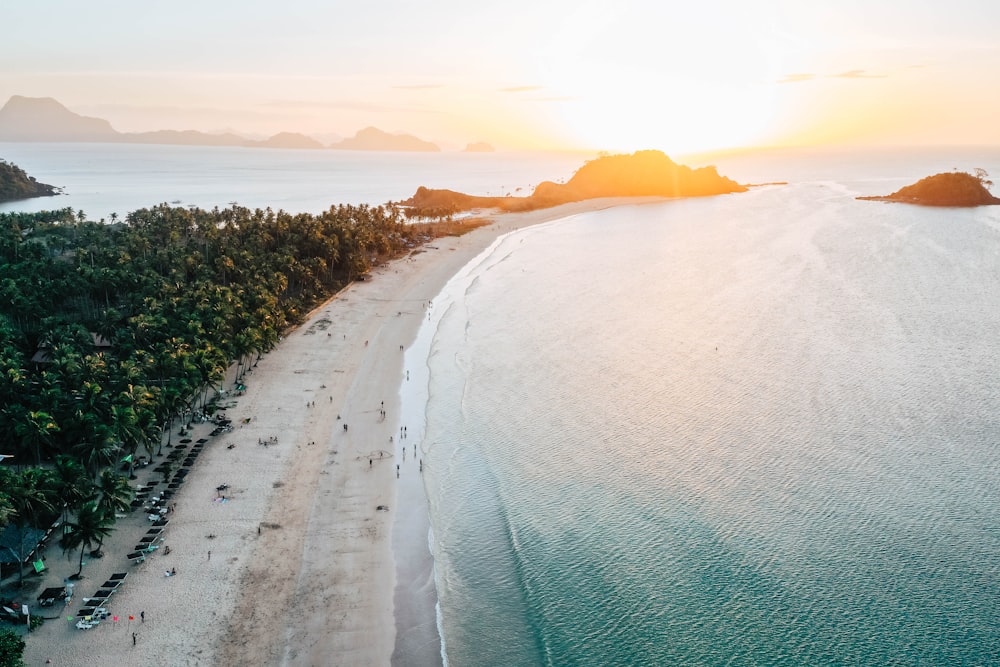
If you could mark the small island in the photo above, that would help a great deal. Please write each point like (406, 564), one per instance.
(957, 188)
(16, 184)
(647, 173)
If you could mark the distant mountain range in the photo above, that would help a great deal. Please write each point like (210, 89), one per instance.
(45, 119)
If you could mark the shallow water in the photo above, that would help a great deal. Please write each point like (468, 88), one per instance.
(753, 429)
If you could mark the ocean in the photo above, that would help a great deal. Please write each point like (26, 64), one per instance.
(755, 429)
(106, 179)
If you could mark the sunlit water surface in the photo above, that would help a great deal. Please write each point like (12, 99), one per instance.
(759, 429)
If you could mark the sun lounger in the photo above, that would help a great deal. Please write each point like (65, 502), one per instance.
(105, 593)
(136, 557)
(86, 611)
(119, 575)
(50, 596)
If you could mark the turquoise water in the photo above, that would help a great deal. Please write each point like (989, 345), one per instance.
(760, 429)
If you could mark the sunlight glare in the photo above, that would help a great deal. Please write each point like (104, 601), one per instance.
(675, 115)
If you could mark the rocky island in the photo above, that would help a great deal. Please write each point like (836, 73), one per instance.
(641, 174)
(16, 184)
(957, 188)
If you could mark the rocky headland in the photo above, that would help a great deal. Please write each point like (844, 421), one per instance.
(16, 184)
(956, 188)
(642, 174)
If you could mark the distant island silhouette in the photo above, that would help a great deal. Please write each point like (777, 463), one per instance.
(45, 119)
(644, 173)
(957, 188)
(374, 139)
(16, 184)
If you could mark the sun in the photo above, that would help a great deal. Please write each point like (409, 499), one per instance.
(676, 116)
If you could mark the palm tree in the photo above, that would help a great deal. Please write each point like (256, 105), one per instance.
(30, 497)
(113, 493)
(114, 496)
(35, 430)
(99, 450)
(91, 526)
(72, 485)
(125, 432)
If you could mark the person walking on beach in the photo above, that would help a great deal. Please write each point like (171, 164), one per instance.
(209, 554)
(133, 639)
(142, 616)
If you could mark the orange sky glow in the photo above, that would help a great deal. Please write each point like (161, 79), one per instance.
(524, 75)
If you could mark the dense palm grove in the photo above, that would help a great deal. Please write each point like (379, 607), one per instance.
(109, 332)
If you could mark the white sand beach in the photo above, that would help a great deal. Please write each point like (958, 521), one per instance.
(295, 566)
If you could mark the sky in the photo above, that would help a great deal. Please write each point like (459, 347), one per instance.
(540, 74)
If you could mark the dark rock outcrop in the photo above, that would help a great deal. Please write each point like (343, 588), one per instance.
(16, 184)
(956, 188)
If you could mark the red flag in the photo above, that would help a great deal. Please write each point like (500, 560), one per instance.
(131, 617)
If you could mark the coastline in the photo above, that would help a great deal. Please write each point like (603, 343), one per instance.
(297, 565)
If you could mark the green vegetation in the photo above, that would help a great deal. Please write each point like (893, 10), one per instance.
(955, 188)
(110, 332)
(15, 184)
(641, 174)
(11, 649)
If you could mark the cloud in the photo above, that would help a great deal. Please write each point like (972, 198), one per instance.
(857, 74)
(338, 105)
(419, 86)
(566, 98)
(520, 89)
(798, 78)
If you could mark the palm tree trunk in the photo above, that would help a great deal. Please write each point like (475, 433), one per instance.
(79, 572)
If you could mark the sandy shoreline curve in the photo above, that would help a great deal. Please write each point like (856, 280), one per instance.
(296, 565)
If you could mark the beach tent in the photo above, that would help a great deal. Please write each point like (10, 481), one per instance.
(15, 541)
